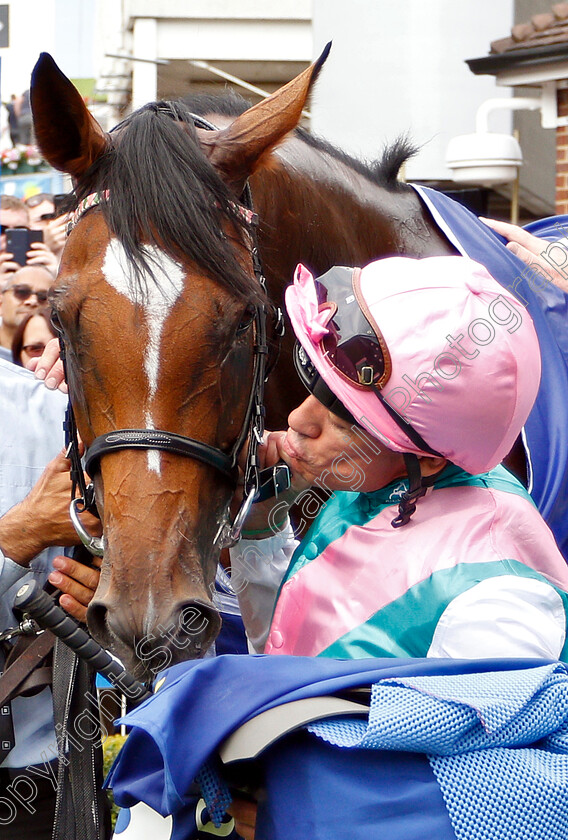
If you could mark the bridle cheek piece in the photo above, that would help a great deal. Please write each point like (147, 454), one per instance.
(258, 484)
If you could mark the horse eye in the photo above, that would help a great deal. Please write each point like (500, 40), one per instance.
(246, 320)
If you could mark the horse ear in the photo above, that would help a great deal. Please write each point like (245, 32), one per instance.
(236, 150)
(68, 136)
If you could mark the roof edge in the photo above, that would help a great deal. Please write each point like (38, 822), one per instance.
(493, 64)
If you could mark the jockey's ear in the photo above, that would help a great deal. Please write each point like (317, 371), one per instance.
(431, 464)
(237, 151)
(68, 136)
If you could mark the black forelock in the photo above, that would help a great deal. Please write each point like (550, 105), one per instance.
(163, 191)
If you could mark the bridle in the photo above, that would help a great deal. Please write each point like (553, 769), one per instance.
(258, 484)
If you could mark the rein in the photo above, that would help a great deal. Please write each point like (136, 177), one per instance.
(258, 484)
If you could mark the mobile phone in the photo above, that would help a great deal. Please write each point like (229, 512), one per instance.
(18, 241)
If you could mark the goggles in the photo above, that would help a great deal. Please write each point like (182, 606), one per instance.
(316, 386)
(354, 344)
(23, 292)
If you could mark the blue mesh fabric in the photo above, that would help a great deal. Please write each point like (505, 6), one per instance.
(505, 794)
(497, 744)
(214, 791)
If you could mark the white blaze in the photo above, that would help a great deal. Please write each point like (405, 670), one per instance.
(156, 297)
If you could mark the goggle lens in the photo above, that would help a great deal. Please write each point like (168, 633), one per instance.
(351, 345)
(316, 385)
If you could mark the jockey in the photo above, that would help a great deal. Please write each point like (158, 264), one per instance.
(421, 375)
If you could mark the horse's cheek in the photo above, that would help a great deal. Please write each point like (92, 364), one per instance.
(234, 385)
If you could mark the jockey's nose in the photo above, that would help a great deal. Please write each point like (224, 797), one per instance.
(307, 419)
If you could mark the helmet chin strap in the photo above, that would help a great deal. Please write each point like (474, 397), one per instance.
(417, 487)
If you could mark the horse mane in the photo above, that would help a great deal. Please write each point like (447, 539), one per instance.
(227, 104)
(383, 172)
(164, 192)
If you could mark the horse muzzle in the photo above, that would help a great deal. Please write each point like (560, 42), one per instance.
(186, 633)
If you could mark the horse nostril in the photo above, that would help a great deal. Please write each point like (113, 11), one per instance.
(197, 623)
(97, 622)
(195, 619)
(187, 633)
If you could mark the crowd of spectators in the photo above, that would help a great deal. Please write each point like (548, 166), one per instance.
(19, 119)
(27, 274)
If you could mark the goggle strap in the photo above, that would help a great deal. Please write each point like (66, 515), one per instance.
(416, 489)
(408, 430)
(317, 386)
(325, 395)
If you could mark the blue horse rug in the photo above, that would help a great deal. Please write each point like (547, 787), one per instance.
(466, 750)
(545, 433)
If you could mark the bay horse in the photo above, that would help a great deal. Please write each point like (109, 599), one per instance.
(155, 298)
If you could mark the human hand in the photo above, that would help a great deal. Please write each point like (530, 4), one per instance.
(55, 233)
(7, 265)
(42, 518)
(40, 254)
(270, 452)
(550, 257)
(49, 367)
(268, 517)
(77, 582)
(244, 813)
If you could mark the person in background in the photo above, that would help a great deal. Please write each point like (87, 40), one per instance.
(15, 214)
(25, 119)
(43, 217)
(35, 491)
(13, 122)
(23, 292)
(31, 336)
(5, 141)
(41, 209)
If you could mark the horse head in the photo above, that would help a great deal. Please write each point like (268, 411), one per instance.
(157, 300)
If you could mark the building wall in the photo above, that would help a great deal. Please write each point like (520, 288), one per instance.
(263, 43)
(398, 68)
(395, 67)
(275, 10)
(562, 155)
(538, 144)
(64, 28)
(32, 30)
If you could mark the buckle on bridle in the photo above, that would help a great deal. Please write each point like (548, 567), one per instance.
(228, 535)
(271, 482)
(92, 544)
